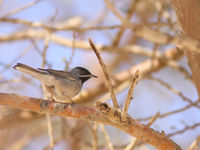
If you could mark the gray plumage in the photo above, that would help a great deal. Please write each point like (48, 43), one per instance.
(61, 84)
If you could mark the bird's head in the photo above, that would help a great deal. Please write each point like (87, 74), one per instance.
(82, 73)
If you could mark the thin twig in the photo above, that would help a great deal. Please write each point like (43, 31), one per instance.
(17, 58)
(95, 141)
(178, 67)
(129, 14)
(117, 90)
(57, 140)
(94, 131)
(185, 129)
(46, 45)
(172, 89)
(21, 8)
(109, 143)
(195, 144)
(73, 51)
(108, 78)
(50, 131)
(130, 93)
(157, 28)
(48, 117)
(114, 11)
(195, 104)
(131, 145)
(153, 119)
(37, 49)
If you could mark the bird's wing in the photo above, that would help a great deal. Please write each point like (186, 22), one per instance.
(59, 73)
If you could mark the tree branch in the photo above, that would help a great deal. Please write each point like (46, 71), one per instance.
(106, 74)
(101, 113)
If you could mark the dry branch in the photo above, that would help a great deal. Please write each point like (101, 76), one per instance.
(50, 131)
(107, 76)
(130, 93)
(94, 130)
(195, 144)
(101, 113)
(15, 11)
(185, 129)
(109, 143)
(140, 30)
(179, 110)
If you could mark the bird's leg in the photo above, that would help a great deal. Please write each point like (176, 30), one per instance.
(52, 95)
(50, 90)
(69, 98)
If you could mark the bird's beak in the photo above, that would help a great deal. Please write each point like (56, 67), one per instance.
(90, 76)
(93, 76)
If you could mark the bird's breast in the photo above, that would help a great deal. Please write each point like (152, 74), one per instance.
(65, 88)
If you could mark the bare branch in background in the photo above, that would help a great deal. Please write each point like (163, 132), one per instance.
(109, 143)
(50, 131)
(94, 130)
(15, 11)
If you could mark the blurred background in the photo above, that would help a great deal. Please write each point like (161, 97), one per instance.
(25, 28)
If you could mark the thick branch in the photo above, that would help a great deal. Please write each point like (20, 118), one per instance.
(101, 113)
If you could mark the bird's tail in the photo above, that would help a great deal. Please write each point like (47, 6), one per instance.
(29, 70)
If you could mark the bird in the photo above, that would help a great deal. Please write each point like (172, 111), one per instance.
(61, 85)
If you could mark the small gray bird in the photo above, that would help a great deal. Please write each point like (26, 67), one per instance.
(61, 85)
